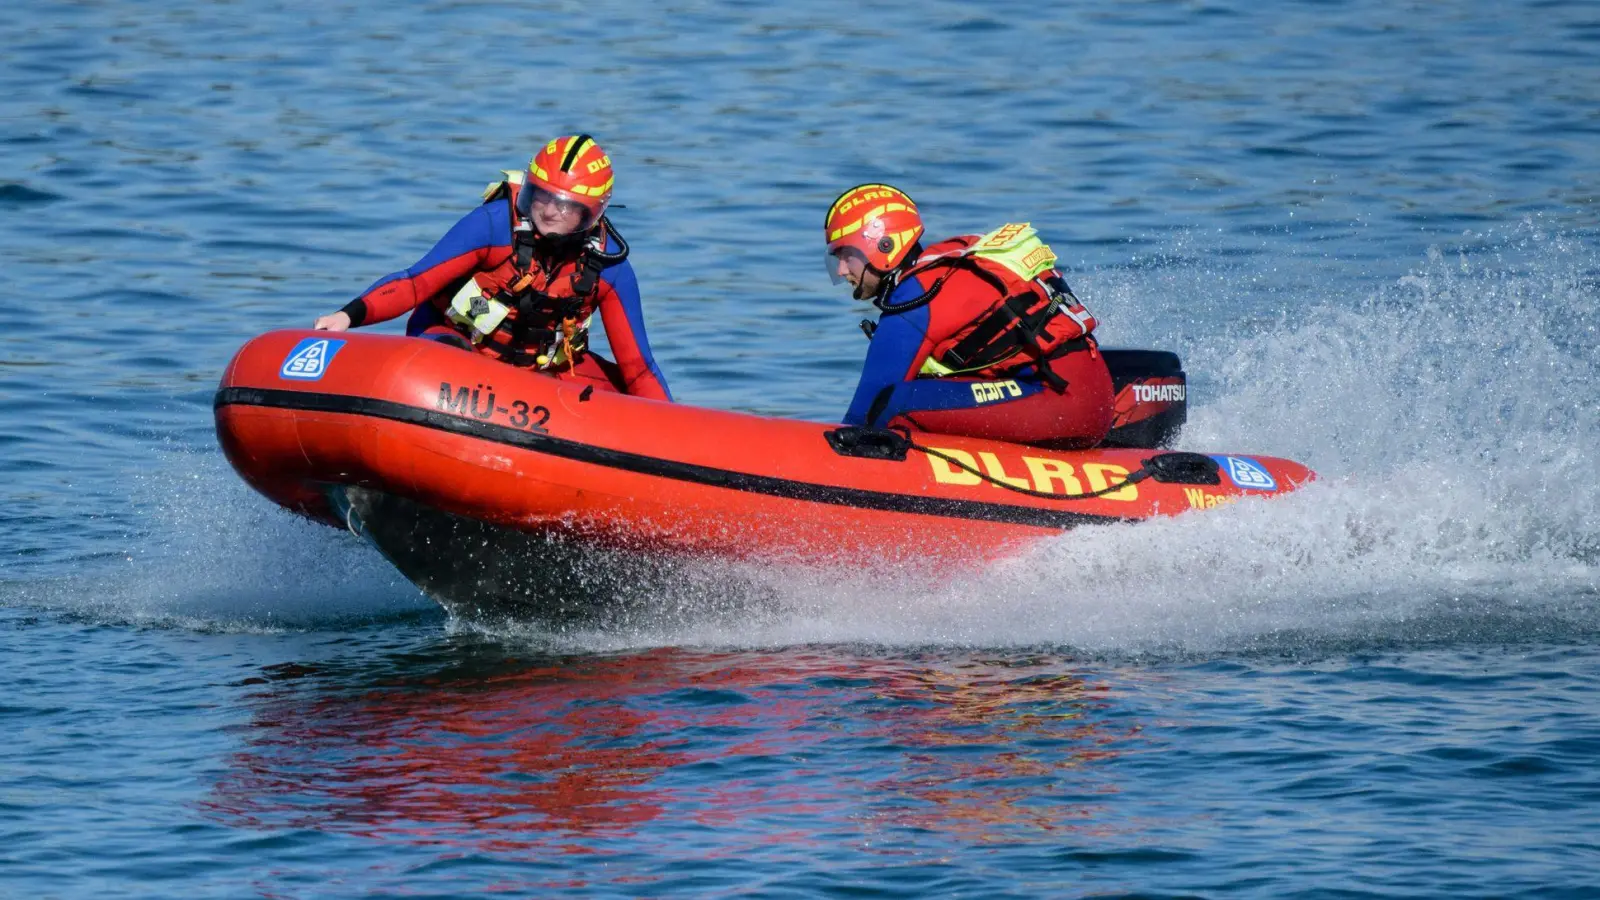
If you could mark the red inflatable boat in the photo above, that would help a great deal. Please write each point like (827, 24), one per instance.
(435, 453)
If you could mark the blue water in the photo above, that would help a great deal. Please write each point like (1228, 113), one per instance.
(1371, 229)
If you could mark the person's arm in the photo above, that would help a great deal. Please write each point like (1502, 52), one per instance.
(623, 317)
(471, 244)
(899, 345)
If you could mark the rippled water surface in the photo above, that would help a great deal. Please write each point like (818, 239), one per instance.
(1369, 228)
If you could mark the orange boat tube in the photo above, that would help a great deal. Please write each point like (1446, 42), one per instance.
(304, 415)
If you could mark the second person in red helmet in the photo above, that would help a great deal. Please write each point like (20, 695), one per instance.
(979, 334)
(521, 276)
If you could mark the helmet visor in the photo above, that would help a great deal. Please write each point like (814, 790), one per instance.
(849, 264)
(557, 212)
(845, 263)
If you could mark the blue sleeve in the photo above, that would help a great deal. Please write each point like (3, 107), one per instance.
(484, 227)
(896, 346)
(627, 336)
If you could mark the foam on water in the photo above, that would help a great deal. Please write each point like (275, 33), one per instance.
(216, 556)
(1450, 413)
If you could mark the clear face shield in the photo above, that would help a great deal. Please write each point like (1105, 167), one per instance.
(847, 264)
(556, 212)
(844, 264)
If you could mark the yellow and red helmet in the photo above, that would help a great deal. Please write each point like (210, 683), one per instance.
(573, 174)
(877, 221)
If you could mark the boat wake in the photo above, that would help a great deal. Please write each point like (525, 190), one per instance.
(212, 556)
(1450, 414)
(1452, 417)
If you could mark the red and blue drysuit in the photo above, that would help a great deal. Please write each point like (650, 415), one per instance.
(480, 247)
(1052, 389)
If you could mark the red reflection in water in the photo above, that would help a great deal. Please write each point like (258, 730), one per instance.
(552, 757)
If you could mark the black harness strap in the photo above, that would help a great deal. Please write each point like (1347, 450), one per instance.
(996, 337)
(1018, 323)
(539, 315)
(522, 247)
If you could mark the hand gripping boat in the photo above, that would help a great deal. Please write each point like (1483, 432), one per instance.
(486, 484)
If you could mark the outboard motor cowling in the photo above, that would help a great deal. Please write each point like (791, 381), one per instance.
(1151, 397)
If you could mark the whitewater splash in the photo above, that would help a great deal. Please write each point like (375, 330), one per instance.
(1450, 415)
(1452, 418)
(215, 556)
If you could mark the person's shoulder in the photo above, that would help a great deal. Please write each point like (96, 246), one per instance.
(496, 212)
(905, 297)
(619, 273)
(951, 244)
(943, 255)
(485, 221)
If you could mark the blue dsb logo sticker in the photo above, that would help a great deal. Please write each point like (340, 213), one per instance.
(1247, 473)
(309, 359)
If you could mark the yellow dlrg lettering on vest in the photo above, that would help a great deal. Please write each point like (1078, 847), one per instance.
(1004, 235)
(1104, 475)
(1199, 499)
(990, 391)
(945, 473)
(1043, 255)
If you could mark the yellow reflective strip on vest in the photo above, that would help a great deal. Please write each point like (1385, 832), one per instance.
(932, 368)
(1017, 247)
(483, 324)
(511, 177)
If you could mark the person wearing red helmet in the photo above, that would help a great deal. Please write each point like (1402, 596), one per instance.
(521, 276)
(979, 335)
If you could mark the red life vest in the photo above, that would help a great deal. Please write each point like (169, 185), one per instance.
(550, 301)
(1019, 321)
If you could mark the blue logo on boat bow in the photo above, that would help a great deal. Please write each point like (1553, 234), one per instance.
(309, 359)
(1247, 473)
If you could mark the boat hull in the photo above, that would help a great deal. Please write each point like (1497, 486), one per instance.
(304, 415)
